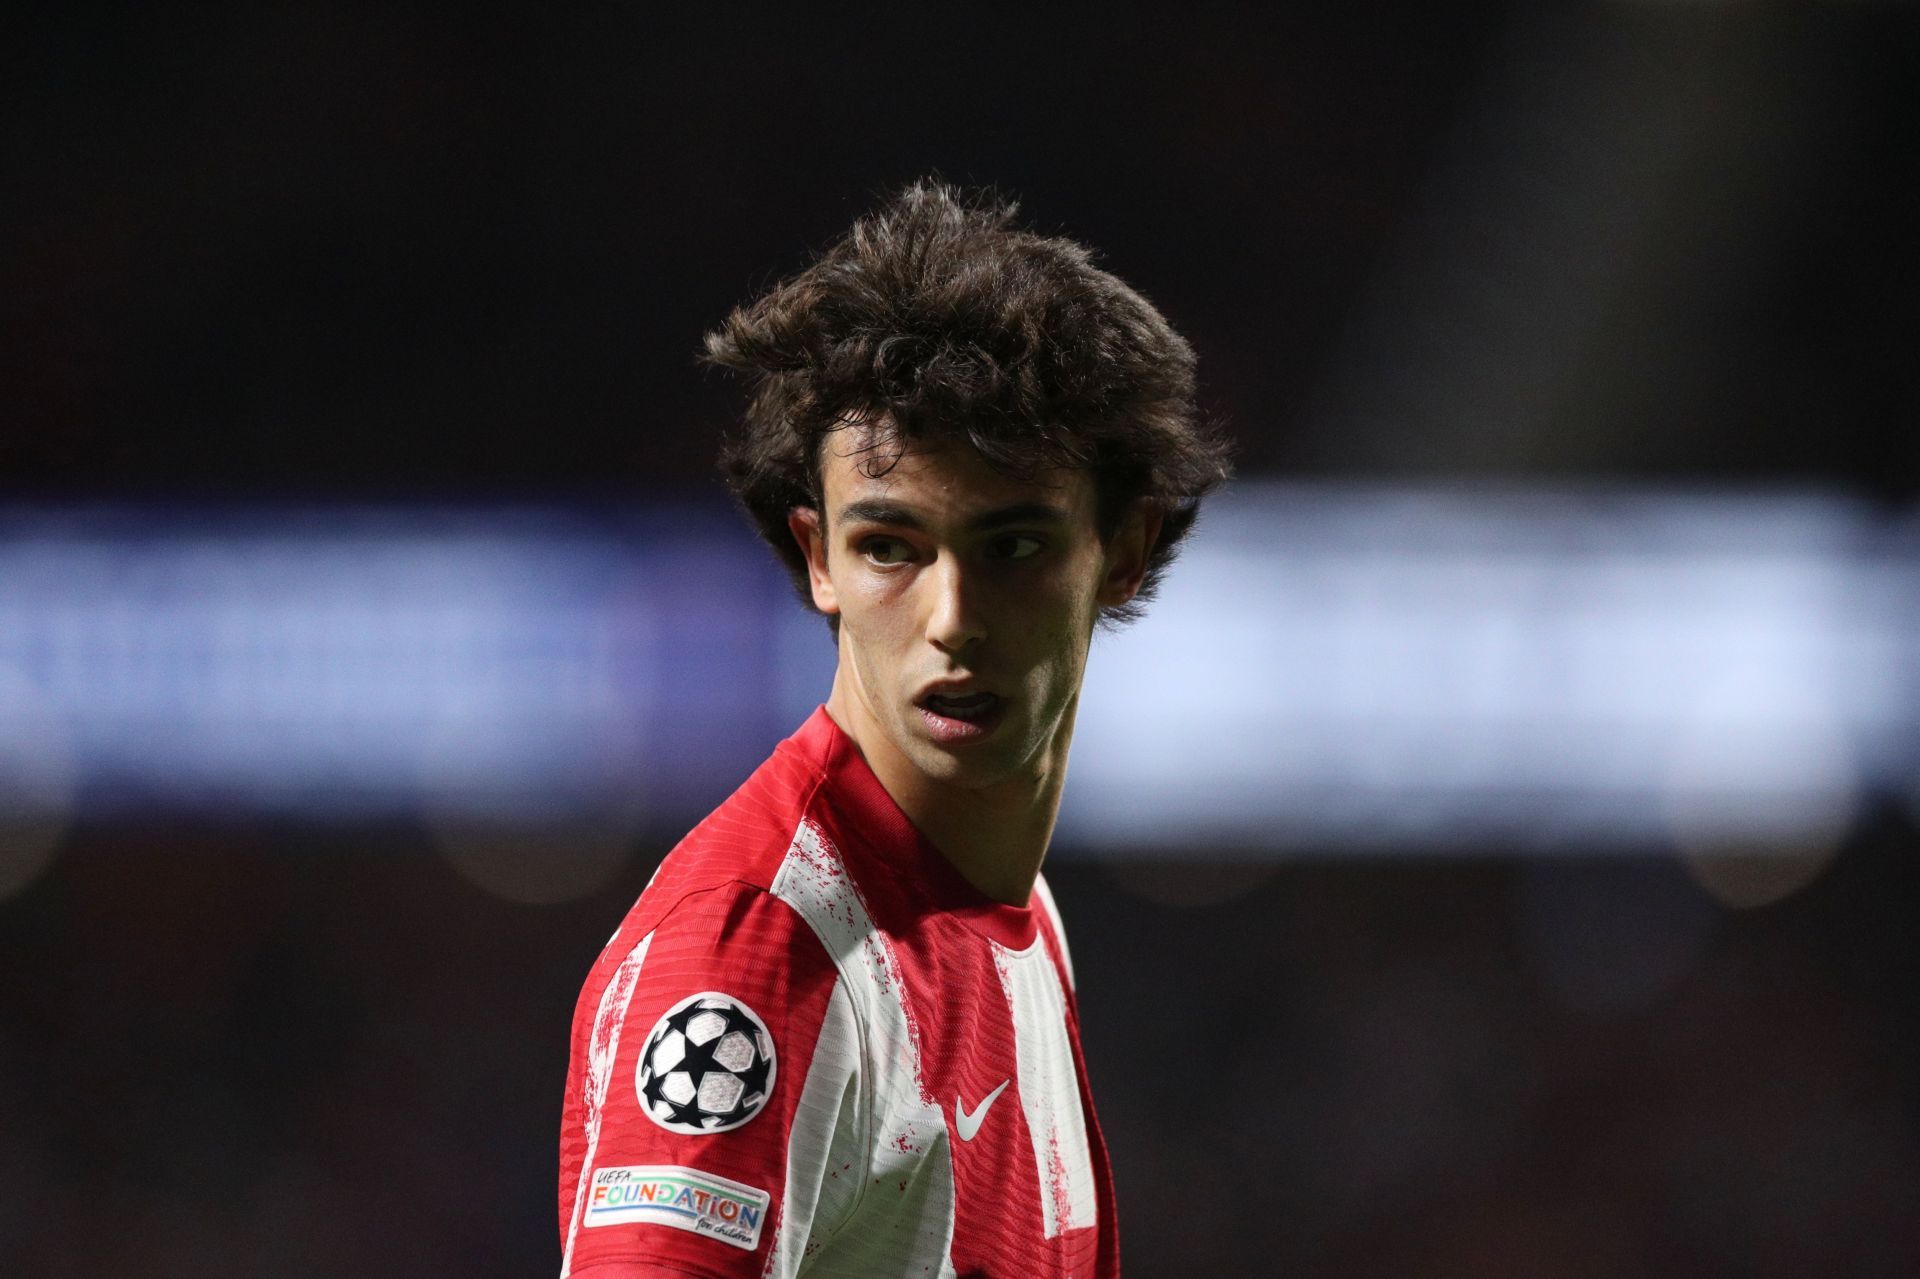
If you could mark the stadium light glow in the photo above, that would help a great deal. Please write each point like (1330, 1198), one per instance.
(1328, 668)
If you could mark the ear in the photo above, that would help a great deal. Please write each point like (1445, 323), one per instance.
(1128, 552)
(805, 525)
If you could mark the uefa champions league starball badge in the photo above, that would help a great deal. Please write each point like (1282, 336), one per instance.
(708, 1065)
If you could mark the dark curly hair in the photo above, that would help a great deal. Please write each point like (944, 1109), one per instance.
(936, 318)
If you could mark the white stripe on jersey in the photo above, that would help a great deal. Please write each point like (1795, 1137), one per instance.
(608, 1018)
(827, 1133)
(1049, 1087)
(909, 1143)
(1045, 895)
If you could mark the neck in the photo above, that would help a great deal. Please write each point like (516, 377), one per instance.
(995, 835)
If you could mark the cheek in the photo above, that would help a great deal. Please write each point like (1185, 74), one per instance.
(1076, 594)
(876, 590)
(1052, 631)
(875, 612)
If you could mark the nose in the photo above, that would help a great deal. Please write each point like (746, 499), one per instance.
(953, 617)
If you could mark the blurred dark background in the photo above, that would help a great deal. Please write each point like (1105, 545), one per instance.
(305, 255)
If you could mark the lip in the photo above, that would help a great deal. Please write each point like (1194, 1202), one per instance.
(950, 688)
(949, 731)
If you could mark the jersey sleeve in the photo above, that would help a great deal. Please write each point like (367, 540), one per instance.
(711, 1125)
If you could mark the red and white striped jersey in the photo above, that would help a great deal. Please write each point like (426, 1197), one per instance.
(813, 1048)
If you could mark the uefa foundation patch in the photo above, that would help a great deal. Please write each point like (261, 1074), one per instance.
(708, 1065)
(679, 1197)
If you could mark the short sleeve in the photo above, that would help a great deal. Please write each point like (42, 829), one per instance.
(711, 1123)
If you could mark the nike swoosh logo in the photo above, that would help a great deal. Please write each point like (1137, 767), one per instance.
(969, 1124)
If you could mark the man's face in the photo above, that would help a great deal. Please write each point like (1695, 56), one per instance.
(967, 601)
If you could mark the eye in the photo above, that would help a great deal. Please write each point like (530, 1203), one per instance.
(1016, 546)
(886, 550)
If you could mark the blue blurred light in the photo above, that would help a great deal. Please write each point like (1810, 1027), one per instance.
(1328, 667)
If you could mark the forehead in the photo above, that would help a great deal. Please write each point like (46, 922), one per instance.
(946, 477)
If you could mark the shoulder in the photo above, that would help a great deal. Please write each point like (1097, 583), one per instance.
(735, 852)
(714, 1043)
(714, 1050)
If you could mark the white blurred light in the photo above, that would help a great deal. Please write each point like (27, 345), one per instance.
(36, 783)
(1755, 818)
(1329, 667)
(1379, 669)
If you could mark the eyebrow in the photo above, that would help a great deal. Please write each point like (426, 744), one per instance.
(903, 517)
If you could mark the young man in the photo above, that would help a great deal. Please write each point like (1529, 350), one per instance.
(837, 1034)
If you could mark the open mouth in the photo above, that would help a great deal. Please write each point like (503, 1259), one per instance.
(955, 717)
(972, 707)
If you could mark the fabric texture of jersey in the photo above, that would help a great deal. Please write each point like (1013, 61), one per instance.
(812, 1048)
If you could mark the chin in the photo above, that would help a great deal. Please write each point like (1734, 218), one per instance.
(975, 767)
(941, 764)
(935, 761)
